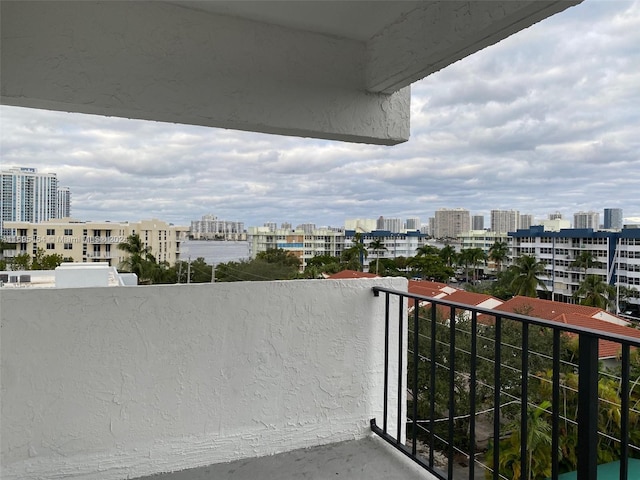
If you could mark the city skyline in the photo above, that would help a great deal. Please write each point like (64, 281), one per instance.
(543, 121)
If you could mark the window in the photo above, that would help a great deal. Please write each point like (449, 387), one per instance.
(51, 231)
(51, 246)
(68, 246)
(68, 231)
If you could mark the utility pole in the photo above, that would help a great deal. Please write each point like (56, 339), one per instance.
(189, 271)
(213, 273)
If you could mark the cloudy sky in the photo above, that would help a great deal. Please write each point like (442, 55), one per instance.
(546, 120)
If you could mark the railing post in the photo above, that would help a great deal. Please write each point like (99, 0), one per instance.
(588, 408)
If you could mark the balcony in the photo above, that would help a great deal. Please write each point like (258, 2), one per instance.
(269, 380)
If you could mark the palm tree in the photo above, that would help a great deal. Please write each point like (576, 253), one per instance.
(426, 250)
(376, 246)
(473, 257)
(499, 252)
(526, 276)
(140, 260)
(586, 260)
(594, 292)
(448, 255)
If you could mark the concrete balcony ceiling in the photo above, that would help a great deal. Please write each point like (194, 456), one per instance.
(324, 69)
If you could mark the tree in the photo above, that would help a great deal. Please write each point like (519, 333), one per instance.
(526, 276)
(353, 257)
(427, 250)
(140, 260)
(430, 266)
(376, 246)
(586, 260)
(41, 261)
(594, 292)
(473, 257)
(448, 255)
(22, 262)
(498, 252)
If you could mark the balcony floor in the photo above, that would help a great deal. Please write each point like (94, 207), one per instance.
(370, 458)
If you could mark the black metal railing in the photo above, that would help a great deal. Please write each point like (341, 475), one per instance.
(533, 390)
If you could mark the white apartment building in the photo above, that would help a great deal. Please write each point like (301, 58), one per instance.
(617, 252)
(304, 245)
(526, 221)
(412, 223)
(481, 239)
(96, 241)
(211, 228)
(64, 203)
(586, 220)
(360, 224)
(27, 195)
(504, 221)
(449, 223)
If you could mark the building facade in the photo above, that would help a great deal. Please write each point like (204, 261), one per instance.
(211, 228)
(396, 244)
(617, 255)
(613, 219)
(477, 222)
(586, 220)
(526, 221)
(64, 203)
(303, 244)
(449, 223)
(27, 195)
(503, 221)
(96, 241)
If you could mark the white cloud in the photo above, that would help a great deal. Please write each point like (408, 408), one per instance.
(546, 120)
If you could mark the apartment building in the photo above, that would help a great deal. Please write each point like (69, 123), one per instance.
(96, 241)
(586, 220)
(613, 219)
(449, 223)
(303, 244)
(504, 221)
(618, 254)
(26, 195)
(209, 227)
(64, 203)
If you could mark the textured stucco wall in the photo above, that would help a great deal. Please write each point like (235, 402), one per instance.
(110, 383)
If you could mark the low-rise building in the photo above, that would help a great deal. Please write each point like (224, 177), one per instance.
(396, 244)
(303, 244)
(96, 241)
(616, 258)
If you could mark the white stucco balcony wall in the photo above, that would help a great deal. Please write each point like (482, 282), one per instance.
(112, 383)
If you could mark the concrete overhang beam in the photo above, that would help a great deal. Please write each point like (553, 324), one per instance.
(165, 62)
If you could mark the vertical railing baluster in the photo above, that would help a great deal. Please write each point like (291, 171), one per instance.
(555, 406)
(416, 360)
(624, 417)
(472, 395)
(385, 406)
(432, 387)
(524, 400)
(496, 398)
(400, 421)
(452, 389)
(587, 407)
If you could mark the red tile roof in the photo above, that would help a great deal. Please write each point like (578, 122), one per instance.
(469, 298)
(569, 314)
(547, 309)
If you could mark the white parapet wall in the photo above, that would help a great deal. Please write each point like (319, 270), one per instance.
(114, 383)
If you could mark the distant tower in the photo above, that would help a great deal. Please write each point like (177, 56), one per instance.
(477, 222)
(412, 223)
(555, 216)
(586, 220)
(27, 196)
(526, 220)
(451, 222)
(64, 202)
(503, 221)
(613, 218)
